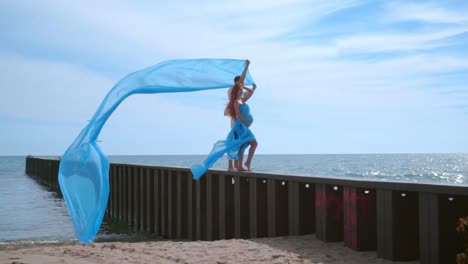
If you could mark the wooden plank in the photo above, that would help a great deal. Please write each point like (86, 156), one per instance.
(157, 202)
(121, 193)
(237, 207)
(190, 226)
(142, 199)
(360, 218)
(429, 228)
(384, 224)
(293, 199)
(149, 201)
(111, 206)
(329, 212)
(125, 194)
(163, 190)
(397, 225)
(179, 206)
(271, 205)
(320, 211)
(198, 211)
(136, 187)
(253, 207)
(170, 205)
(130, 195)
(222, 206)
(209, 206)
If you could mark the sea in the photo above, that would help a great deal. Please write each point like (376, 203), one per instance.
(32, 213)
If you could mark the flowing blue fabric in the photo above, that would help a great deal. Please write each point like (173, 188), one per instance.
(236, 141)
(84, 168)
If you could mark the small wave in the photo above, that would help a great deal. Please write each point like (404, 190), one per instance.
(8, 244)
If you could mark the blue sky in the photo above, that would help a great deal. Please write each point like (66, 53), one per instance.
(333, 76)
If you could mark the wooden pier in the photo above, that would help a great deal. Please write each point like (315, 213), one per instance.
(399, 220)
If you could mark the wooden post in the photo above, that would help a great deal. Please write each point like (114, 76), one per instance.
(329, 212)
(150, 205)
(306, 208)
(293, 199)
(222, 206)
(360, 230)
(121, 193)
(271, 203)
(125, 193)
(253, 207)
(429, 228)
(237, 207)
(130, 195)
(179, 206)
(136, 187)
(142, 199)
(163, 190)
(209, 209)
(198, 210)
(170, 204)
(397, 225)
(157, 202)
(190, 213)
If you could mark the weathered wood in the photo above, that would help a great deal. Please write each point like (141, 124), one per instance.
(306, 208)
(214, 204)
(237, 207)
(397, 225)
(329, 212)
(429, 228)
(190, 211)
(282, 208)
(452, 207)
(163, 191)
(360, 228)
(142, 198)
(244, 207)
(179, 206)
(253, 207)
(209, 204)
(222, 206)
(197, 211)
(122, 193)
(149, 201)
(157, 202)
(125, 178)
(271, 203)
(136, 197)
(170, 205)
(130, 195)
(294, 206)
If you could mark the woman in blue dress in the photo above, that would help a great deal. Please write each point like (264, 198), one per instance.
(240, 135)
(238, 109)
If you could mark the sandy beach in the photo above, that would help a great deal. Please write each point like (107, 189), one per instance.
(298, 249)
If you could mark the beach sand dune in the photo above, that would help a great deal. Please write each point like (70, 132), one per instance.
(293, 249)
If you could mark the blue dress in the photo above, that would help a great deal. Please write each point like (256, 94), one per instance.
(236, 140)
(245, 111)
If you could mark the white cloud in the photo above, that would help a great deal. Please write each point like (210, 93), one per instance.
(426, 12)
(389, 42)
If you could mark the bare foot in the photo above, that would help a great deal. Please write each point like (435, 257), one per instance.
(248, 166)
(232, 169)
(241, 169)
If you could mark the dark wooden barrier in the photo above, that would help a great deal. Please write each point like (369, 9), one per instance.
(400, 220)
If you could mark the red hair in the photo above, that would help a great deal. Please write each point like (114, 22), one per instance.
(230, 109)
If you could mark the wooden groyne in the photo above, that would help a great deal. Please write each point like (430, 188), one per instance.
(398, 220)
